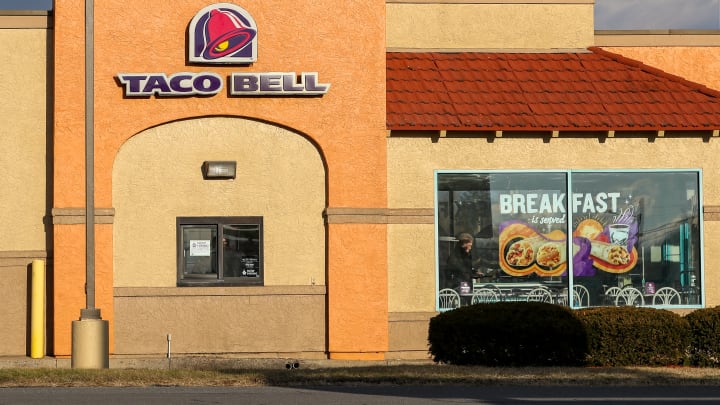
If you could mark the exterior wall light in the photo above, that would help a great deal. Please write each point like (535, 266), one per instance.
(219, 169)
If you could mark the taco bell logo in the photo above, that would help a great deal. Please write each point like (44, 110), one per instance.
(222, 33)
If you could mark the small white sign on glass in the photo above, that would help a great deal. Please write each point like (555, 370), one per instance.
(199, 248)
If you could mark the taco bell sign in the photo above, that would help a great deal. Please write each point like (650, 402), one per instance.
(222, 34)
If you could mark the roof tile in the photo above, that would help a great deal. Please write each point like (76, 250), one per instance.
(594, 90)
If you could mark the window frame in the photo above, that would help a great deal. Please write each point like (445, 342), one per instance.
(568, 190)
(218, 279)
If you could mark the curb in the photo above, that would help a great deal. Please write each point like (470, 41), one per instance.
(204, 362)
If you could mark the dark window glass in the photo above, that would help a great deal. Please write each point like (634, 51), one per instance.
(233, 258)
(648, 239)
(620, 238)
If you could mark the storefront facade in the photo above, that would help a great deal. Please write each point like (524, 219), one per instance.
(162, 113)
(266, 189)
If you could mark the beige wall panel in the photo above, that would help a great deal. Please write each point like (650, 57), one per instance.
(409, 335)
(157, 177)
(15, 288)
(23, 153)
(712, 262)
(221, 323)
(15, 314)
(508, 26)
(411, 267)
(412, 161)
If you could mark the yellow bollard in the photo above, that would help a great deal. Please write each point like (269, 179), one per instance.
(37, 311)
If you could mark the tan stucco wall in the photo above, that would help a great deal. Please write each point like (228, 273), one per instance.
(449, 25)
(412, 161)
(24, 160)
(14, 316)
(411, 267)
(23, 138)
(157, 177)
(270, 322)
(408, 335)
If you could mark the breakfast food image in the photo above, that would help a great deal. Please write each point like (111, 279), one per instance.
(613, 254)
(550, 254)
(520, 253)
(524, 250)
(588, 228)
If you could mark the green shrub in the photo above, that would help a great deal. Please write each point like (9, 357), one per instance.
(508, 334)
(705, 343)
(631, 336)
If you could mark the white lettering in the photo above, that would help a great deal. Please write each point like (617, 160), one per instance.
(553, 220)
(558, 202)
(545, 205)
(185, 84)
(518, 203)
(553, 203)
(505, 204)
(276, 83)
(614, 200)
(601, 199)
(177, 85)
(531, 209)
(588, 205)
(532, 203)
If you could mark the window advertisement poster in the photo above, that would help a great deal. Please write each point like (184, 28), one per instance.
(590, 238)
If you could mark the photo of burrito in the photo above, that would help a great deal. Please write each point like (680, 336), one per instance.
(525, 251)
(520, 253)
(613, 254)
(550, 255)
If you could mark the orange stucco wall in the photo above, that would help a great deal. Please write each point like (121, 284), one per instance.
(352, 276)
(342, 41)
(698, 64)
(69, 285)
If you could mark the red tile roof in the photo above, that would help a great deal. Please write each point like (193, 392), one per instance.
(584, 91)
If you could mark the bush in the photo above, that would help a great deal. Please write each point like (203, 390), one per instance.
(508, 334)
(705, 343)
(630, 336)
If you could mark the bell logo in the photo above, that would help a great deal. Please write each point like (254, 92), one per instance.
(222, 33)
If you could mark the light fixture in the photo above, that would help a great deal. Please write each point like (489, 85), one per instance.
(219, 169)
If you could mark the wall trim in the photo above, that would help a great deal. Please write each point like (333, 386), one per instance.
(630, 38)
(410, 316)
(72, 216)
(711, 213)
(14, 258)
(332, 215)
(351, 215)
(24, 20)
(486, 50)
(137, 292)
(489, 1)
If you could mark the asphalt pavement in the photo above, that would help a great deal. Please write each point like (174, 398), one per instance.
(363, 395)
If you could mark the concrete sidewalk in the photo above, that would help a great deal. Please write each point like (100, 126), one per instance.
(201, 362)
